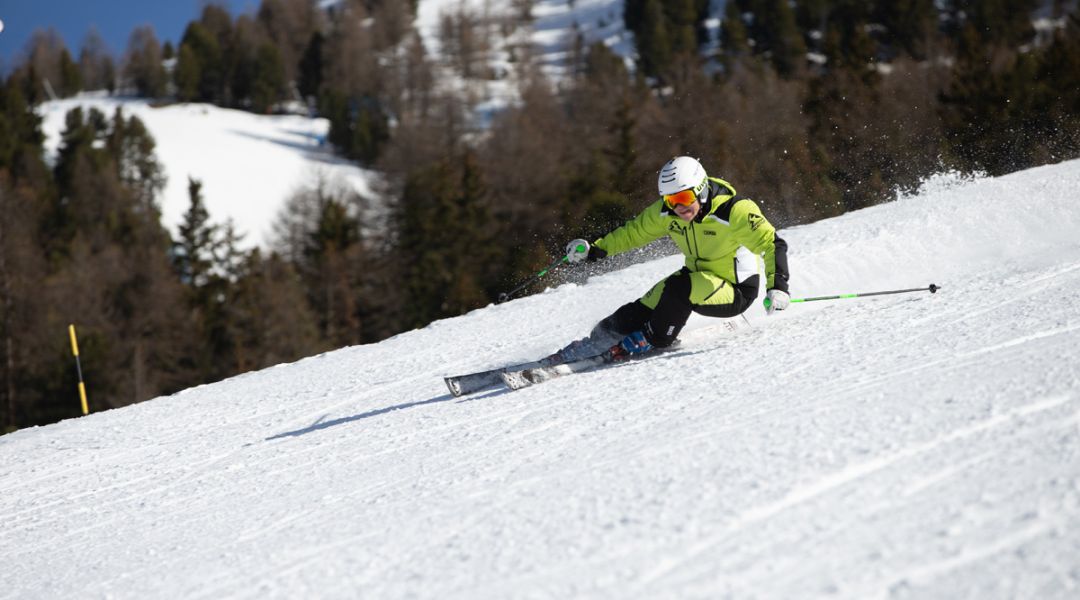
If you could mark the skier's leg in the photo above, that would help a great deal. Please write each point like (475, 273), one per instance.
(734, 304)
(671, 308)
(627, 319)
(630, 317)
(701, 292)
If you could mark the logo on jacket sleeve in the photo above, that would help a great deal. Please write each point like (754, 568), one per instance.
(755, 221)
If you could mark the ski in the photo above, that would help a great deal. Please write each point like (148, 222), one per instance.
(522, 378)
(459, 385)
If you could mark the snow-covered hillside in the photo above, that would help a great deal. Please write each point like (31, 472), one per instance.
(554, 27)
(916, 446)
(249, 164)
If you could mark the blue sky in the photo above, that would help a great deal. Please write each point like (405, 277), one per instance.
(114, 20)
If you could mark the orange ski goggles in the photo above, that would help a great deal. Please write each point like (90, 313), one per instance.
(684, 198)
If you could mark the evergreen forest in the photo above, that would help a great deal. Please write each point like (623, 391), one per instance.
(811, 107)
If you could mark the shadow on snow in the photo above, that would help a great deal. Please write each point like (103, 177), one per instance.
(321, 424)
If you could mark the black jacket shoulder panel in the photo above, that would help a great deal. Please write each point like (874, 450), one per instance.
(723, 212)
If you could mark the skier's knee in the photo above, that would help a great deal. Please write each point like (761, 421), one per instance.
(677, 288)
(629, 318)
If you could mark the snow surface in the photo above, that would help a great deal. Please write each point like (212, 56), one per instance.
(912, 446)
(249, 164)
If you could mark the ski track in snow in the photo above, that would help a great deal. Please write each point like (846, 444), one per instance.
(914, 446)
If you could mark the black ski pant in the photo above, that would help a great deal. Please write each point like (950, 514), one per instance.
(661, 325)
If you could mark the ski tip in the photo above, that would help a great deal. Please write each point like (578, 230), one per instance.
(453, 385)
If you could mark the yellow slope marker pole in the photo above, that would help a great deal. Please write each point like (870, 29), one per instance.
(78, 365)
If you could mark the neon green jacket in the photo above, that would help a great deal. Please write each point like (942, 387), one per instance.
(710, 241)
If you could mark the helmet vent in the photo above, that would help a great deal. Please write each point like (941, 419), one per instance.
(681, 173)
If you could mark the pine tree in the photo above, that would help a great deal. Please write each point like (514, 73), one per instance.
(781, 37)
(654, 40)
(318, 232)
(910, 25)
(203, 60)
(96, 66)
(682, 15)
(132, 148)
(1059, 104)
(444, 241)
(21, 308)
(194, 250)
(311, 66)
(733, 35)
(144, 68)
(999, 22)
(70, 78)
(269, 79)
(847, 45)
(273, 319)
(187, 74)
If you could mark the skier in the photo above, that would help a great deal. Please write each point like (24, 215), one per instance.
(719, 231)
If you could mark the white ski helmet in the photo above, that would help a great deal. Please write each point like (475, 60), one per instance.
(682, 173)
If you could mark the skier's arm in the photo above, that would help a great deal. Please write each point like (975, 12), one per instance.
(635, 233)
(755, 232)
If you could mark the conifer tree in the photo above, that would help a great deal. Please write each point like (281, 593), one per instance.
(733, 35)
(443, 241)
(96, 65)
(187, 74)
(132, 148)
(311, 66)
(319, 233)
(269, 79)
(910, 25)
(998, 22)
(781, 37)
(654, 40)
(683, 18)
(194, 250)
(144, 68)
(204, 54)
(274, 322)
(70, 78)
(21, 306)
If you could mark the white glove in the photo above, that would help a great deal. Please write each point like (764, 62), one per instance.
(577, 251)
(776, 300)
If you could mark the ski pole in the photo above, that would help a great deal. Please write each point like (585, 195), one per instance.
(503, 297)
(932, 289)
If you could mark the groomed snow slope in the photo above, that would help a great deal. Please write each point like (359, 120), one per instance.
(916, 446)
